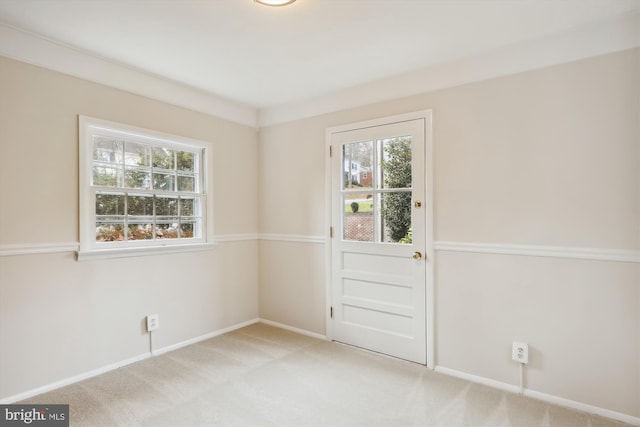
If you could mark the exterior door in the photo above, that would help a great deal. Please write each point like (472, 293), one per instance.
(379, 216)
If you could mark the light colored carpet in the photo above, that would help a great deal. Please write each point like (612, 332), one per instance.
(265, 376)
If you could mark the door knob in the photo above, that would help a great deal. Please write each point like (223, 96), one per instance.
(417, 256)
(417, 203)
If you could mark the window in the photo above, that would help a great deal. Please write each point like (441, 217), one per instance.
(140, 191)
(378, 209)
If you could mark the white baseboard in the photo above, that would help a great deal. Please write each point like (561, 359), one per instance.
(556, 400)
(560, 401)
(113, 366)
(294, 329)
(74, 379)
(204, 337)
(478, 380)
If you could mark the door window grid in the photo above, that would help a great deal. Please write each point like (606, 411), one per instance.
(390, 169)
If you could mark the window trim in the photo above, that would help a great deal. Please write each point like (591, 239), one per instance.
(89, 248)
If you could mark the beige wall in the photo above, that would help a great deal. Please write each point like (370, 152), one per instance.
(549, 157)
(292, 287)
(60, 317)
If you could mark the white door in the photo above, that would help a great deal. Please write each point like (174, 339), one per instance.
(379, 244)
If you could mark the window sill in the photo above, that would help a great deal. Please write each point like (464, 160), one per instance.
(136, 252)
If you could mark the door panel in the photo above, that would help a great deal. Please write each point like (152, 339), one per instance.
(384, 292)
(378, 289)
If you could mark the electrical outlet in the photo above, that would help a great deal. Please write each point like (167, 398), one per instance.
(520, 352)
(153, 322)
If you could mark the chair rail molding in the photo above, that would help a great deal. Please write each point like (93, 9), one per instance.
(51, 248)
(293, 238)
(586, 253)
(38, 248)
(571, 252)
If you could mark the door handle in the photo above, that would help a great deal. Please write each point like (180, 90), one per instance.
(417, 256)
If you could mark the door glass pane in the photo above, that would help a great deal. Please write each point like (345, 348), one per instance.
(376, 183)
(395, 223)
(395, 164)
(357, 160)
(358, 217)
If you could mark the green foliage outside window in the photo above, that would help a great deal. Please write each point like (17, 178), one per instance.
(396, 206)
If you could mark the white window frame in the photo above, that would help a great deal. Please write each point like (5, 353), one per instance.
(88, 127)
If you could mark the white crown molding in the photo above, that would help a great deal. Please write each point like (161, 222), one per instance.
(596, 254)
(598, 39)
(37, 50)
(588, 41)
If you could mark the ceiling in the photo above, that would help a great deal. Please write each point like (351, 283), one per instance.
(266, 57)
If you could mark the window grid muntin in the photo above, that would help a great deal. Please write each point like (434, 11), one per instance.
(120, 166)
(127, 219)
(152, 170)
(377, 190)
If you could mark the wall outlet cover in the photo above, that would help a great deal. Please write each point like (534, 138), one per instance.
(153, 322)
(520, 352)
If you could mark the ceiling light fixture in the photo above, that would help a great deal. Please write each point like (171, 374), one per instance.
(274, 2)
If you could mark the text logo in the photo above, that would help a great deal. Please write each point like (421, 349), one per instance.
(34, 415)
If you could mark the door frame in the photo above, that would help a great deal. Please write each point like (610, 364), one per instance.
(429, 221)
